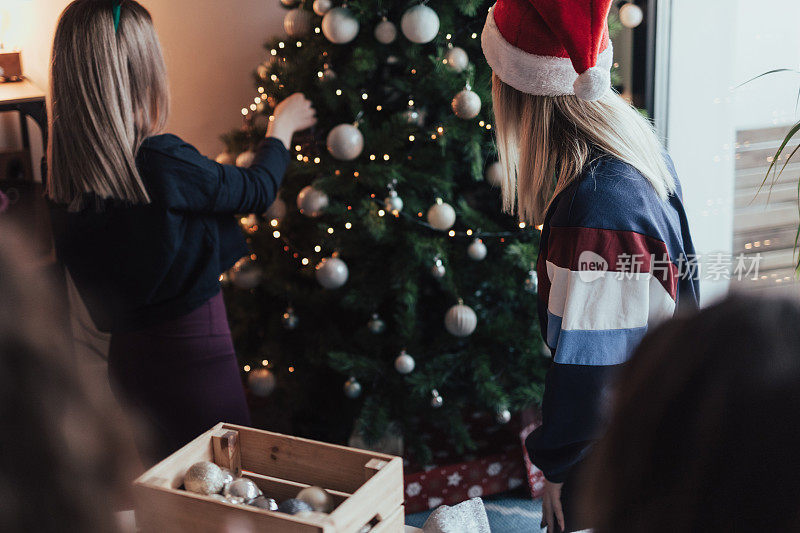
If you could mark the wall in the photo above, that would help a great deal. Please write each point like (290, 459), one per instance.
(211, 48)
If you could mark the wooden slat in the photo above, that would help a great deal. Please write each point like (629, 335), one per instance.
(161, 510)
(393, 524)
(381, 495)
(225, 444)
(302, 460)
(283, 489)
(744, 138)
(754, 177)
(756, 219)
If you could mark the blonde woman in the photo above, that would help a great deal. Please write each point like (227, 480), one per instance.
(145, 222)
(615, 240)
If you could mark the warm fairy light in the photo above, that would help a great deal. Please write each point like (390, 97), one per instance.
(318, 248)
(272, 118)
(413, 71)
(261, 90)
(448, 36)
(474, 35)
(317, 30)
(379, 108)
(299, 44)
(488, 126)
(385, 157)
(291, 369)
(257, 99)
(265, 362)
(381, 212)
(521, 225)
(372, 195)
(299, 157)
(330, 231)
(305, 261)
(411, 138)
(276, 234)
(364, 96)
(419, 214)
(338, 92)
(452, 233)
(244, 111)
(317, 160)
(440, 129)
(247, 368)
(433, 136)
(372, 157)
(281, 44)
(320, 74)
(348, 225)
(221, 278)
(274, 222)
(253, 107)
(298, 147)
(349, 207)
(273, 52)
(469, 232)
(410, 103)
(356, 174)
(540, 227)
(481, 123)
(274, 77)
(305, 159)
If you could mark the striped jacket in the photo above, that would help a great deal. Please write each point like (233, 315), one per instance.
(614, 260)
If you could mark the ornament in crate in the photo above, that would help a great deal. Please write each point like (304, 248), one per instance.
(234, 474)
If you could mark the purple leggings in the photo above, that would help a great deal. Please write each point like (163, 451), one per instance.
(181, 376)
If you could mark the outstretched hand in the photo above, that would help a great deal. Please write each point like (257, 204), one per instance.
(294, 114)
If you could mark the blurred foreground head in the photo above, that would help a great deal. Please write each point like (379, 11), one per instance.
(704, 434)
(64, 459)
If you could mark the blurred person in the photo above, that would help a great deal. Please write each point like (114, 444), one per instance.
(66, 451)
(144, 223)
(703, 434)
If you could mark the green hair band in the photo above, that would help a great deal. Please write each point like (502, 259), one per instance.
(116, 9)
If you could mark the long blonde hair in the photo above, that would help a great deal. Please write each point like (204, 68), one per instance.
(109, 93)
(545, 142)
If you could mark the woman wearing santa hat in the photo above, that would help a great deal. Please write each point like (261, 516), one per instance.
(615, 240)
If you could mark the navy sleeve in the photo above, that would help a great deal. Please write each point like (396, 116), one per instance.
(190, 181)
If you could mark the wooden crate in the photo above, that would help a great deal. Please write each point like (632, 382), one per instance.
(367, 487)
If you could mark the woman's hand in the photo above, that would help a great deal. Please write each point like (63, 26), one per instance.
(293, 114)
(552, 513)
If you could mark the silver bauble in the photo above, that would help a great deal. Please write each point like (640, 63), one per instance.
(631, 15)
(204, 478)
(294, 506)
(318, 498)
(340, 26)
(227, 476)
(375, 325)
(460, 320)
(322, 6)
(385, 32)
(456, 59)
(226, 158)
(332, 273)
(246, 274)
(494, 174)
(345, 142)
(441, 215)
(503, 416)
(436, 399)
(393, 202)
(311, 202)
(352, 388)
(438, 270)
(404, 363)
(298, 23)
(289, 319)
(532, 282)
(245, 159)
(477, 250)
(467, 104)
(261, 382)
(276, 211)
(420, 24)
(262, 502)
(241, 490)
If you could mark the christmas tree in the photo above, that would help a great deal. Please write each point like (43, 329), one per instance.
(387, 292)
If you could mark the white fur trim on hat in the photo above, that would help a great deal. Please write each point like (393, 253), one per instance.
(543, 75)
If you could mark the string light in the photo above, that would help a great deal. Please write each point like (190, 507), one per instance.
(317, 160)
(379, 108)
(276, 234)
(317, 30)
(245, 112)
(264, 363)
(385, 157)
(299, 157)
(253, 107)
(381, 212)
(338, 92)
(411, 138)
(474, 35)
(469, 232)
(364, 96)
(305, 261)
(281, 44)
(273, 52)
(291, 369)
(318, 248)
(299, 44)
(274, 222)
(348, 225)
(452, 233)
(372, 157)
(261, 90)
(274, 77)
(247, 368)
(522, 225)
(330, 231)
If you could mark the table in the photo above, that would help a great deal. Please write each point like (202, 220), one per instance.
(29, 101)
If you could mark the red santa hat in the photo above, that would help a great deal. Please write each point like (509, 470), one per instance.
(551, 47)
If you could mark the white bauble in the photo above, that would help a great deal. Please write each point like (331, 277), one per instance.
(340, 26)
(477, 250)
(311, 202)
(318, 498)
(385, 32)
(245, 159)
(460, 320)
(226, 158)
(438, 270)
(298, 23)
(204, 477)
(352, 388)
(332, 273)
(261, 382)
(404, 364)
(457, 59)
(276, 211)
(467, 104)
(503, 416)
(630, 15)
(393, 202)
(494, 174)
(436, 399)
(345, 142)
(420, 24)
(375, 325)
(322, 6)
(441, 215)
(246, 274)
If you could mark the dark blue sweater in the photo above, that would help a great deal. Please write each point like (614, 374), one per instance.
(138, 265)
